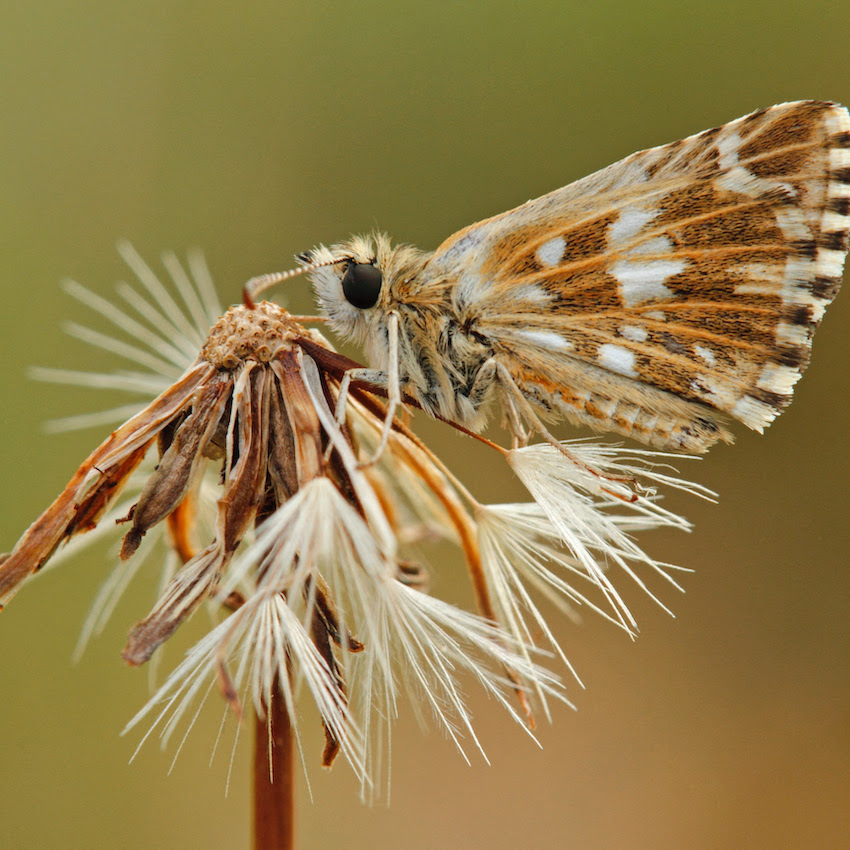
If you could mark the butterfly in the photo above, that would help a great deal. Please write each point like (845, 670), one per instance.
(658, 298)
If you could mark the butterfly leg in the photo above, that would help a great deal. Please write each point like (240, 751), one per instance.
(341, 402)
(342, 398)
(486, 377)
(388, 380)
(519, 407)
(513, 420)
(393, 387)
(375, 377)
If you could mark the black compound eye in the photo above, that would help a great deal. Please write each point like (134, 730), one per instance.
(361, 285)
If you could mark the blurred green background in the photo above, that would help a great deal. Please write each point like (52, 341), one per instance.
(255, 130)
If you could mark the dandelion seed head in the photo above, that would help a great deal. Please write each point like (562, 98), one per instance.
(244, 477)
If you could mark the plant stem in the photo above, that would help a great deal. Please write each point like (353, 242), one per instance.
(274, 787)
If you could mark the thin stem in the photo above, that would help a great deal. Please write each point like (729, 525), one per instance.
(274, 786)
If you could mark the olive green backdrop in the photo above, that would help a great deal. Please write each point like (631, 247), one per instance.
(254, 130)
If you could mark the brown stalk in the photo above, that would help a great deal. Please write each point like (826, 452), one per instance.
(274, 783)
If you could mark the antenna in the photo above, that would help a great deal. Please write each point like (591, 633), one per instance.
(259, 284)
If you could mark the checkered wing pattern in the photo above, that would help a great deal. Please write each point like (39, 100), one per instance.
(680, 284)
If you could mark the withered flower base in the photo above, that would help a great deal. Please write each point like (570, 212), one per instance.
(308, 554)
(244, 402)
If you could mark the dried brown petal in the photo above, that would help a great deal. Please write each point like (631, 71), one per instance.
(90, 510)
(304, 420)
(283, 468)
(321, 640)
(187, 590)
(180, 525)
(332, 747)
(168, 485)
(243, 490)
(156, 416)
(325, 612)
(42, 537)
(245, 482)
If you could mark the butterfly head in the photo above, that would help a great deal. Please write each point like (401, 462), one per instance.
(355, 281)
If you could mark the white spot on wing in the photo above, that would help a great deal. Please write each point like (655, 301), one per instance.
(727, 148)
(644, 281)
(551, 252)
(531, 294)
(635, 333)
(832, 221)
(792, 334)
(617, 359)
(736, 178)
(839, 158)
(754, 414)
(545, 339)
(631, 221)
(641, 278)
(837, 120)
(792, 223)
(778, 379)
(830, 263)
(705, 354)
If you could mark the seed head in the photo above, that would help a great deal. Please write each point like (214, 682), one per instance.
(311, 558)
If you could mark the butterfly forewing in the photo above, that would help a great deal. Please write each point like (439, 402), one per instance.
(684, 280)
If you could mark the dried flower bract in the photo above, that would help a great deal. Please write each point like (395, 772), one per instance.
(310, 556)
